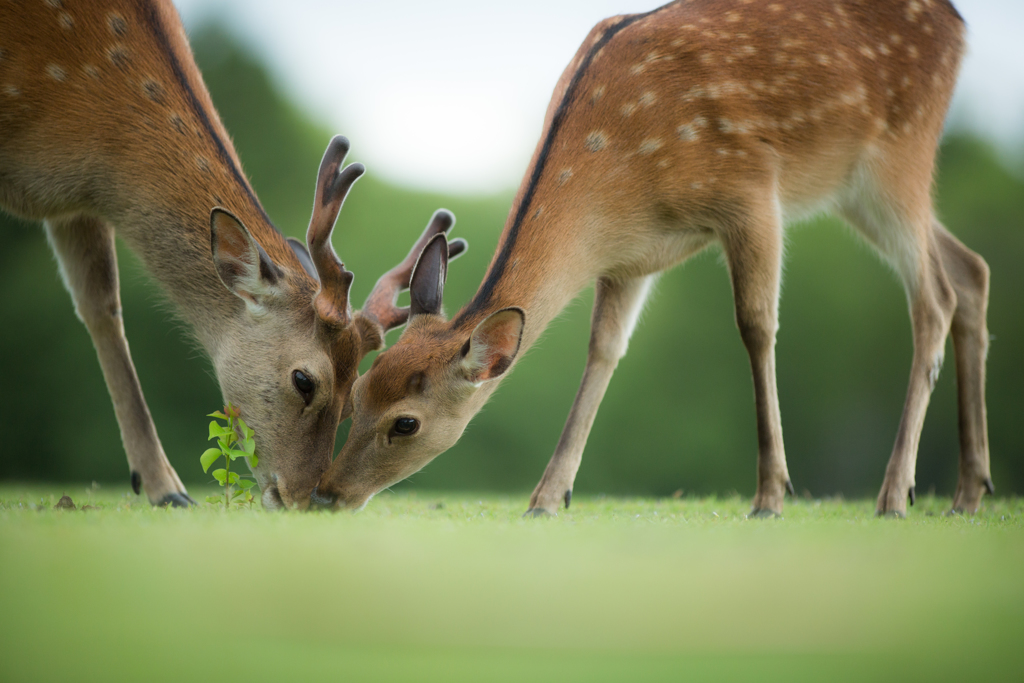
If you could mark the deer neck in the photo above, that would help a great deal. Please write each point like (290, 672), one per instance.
(541, 265)
(172, 239)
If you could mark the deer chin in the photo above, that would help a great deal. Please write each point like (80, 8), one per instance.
(272, 498)
(327, 499)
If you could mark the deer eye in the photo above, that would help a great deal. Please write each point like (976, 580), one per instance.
(304, 385)
(405, 426)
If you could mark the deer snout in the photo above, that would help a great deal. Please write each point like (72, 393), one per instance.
(322, 500)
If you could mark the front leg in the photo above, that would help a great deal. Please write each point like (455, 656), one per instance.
(88, 265)
(753, 249)
(617, 305)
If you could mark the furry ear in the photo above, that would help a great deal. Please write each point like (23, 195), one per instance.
(426, 288)
(241, 263)
(489, 352)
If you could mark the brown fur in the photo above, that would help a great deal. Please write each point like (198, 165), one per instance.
(711, 121)
(107, 125)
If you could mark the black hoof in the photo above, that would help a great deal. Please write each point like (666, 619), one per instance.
(537, 512)
(913, 497)
(568, 497)
(763, 513)
(789, 487)
(136, 483)
(176, 500)
(990, 487)
(890, 514)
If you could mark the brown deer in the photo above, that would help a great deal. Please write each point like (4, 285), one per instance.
(700, 122)
(106, 125)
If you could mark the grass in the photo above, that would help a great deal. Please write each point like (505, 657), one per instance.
(441, 587)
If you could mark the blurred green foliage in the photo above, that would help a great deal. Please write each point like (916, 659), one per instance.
(679, 413)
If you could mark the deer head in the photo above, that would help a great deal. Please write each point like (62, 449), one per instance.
(420, 394)
(292, 353)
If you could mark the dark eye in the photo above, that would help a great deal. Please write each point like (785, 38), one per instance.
(406, 426)
(304, 385)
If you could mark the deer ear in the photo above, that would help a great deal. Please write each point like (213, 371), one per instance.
(426, 289)
(241, 263)
(305, 259)
(489, 352)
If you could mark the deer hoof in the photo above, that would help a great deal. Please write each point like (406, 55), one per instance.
(136, 483)
(913, 496)
(989, 486)
(763, 513)
(790, 489)
(890, 514)
(176, 500)
(538, 512)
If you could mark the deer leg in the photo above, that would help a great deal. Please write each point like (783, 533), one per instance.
(88, 265)
(617, 306)
(754, 255)
(932, 305)
(969, 275)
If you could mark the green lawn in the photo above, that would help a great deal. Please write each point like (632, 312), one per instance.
(441, 587)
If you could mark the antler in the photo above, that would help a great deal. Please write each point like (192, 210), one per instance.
(332, 185)
(380, 305)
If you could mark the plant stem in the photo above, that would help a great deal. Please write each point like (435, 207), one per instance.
(227, 467)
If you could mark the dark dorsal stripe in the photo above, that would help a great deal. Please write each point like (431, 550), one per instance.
(152, 17)
(486, 291)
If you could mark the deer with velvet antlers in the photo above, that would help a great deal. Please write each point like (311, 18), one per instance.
(701, 122)
(107, 128)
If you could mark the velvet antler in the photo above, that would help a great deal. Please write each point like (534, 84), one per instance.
(332, 185)
(380, 305)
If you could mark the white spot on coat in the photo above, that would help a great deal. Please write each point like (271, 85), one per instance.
(650, 145)
(596, 141)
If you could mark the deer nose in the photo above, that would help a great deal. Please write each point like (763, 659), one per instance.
(320, 500)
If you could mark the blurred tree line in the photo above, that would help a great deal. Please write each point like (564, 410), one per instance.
(679, 413)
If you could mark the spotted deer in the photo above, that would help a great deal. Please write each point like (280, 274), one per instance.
(107, 128)
(700, 122)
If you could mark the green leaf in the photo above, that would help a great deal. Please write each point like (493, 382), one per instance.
(214, 499)
(220, 475)
(209, 456)
(238, 454)
(249, 446)
(246, 484)
(219, 414)
(233, 477)
(217, 431)
(253, 461)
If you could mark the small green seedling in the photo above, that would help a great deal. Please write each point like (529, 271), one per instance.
(231, 447)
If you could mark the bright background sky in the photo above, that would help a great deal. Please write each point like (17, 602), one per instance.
(450, 94)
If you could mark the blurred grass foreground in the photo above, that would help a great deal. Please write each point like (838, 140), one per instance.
(459, 588)
(679, 413)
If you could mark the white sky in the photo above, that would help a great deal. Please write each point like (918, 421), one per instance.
(450, 94)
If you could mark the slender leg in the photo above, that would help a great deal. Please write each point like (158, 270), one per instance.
(969, 275)
(754, 254)
(88, 264)
(932, 303)
(617, 305)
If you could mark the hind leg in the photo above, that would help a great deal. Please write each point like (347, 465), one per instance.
(969, 275)
(895, 215)
(88, 264)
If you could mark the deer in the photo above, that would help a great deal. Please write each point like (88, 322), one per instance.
(108, 129)
(700, 122)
